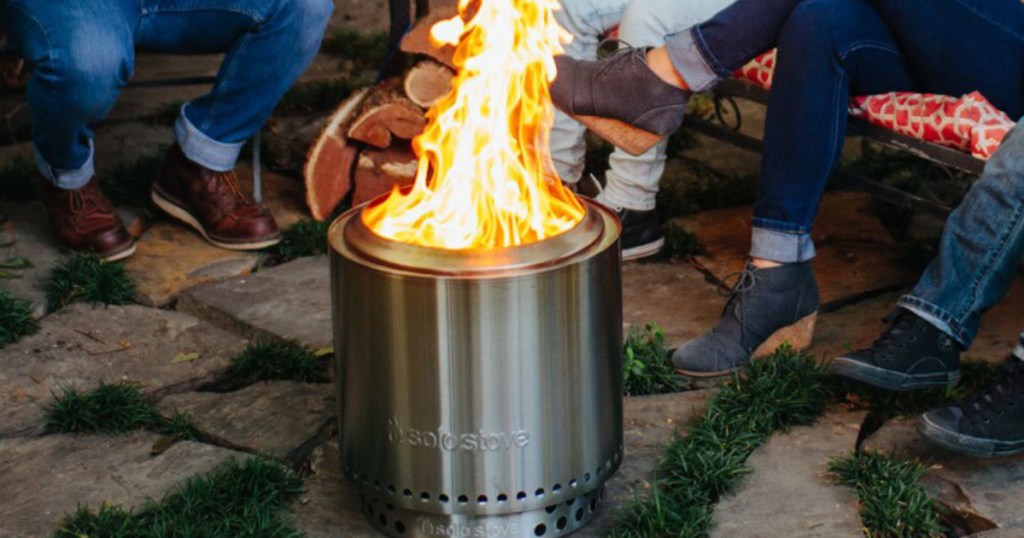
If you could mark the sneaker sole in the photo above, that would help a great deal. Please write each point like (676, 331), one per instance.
(117, 256)
(966, 444)
(643, 251)
(889, 380)
(799, 335)
(176, 211)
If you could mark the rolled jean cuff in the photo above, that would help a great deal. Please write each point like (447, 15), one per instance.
(1019, 350)
(938, 317)
(65, 178)
(781, 246)
(203, 150)
(693, 61)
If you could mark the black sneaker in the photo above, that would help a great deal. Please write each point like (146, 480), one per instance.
(642, 234)
(910, 354)
(989, 424)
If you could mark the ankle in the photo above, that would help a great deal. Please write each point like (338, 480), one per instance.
(660, 64)
(762, 263)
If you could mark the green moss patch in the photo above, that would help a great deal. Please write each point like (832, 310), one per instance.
(112, 408)
(86, 278)
(784, 390)
(239, 499)
(15, 319)
(304, 238)
(646, 368)
(893, 504)
(270, 360)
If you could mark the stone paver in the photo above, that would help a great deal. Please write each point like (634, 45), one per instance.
(289, 301)
(271, 418)
(791, 466)
(43, 478)
(675, 296)
(856, 253)
(992, 488)
(84, 345)
(27, 234)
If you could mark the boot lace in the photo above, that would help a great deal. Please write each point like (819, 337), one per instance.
(900, 323)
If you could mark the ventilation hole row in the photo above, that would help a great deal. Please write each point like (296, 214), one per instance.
(501, 498)
(382, 518)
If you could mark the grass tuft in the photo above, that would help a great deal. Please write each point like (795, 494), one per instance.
(19, 180)
(86, 278)
(16, 319)
(783, 390)
(128, 184)
(110, 408)
(680, 244)
(236, 500)
(267, 360)
(314, 97)
(304, 238)
(646, 368)
(367, 51)
(892, 502)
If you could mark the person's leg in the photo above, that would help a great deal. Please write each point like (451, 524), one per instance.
(269, 43)
(587, 21)
(979, 253)
(81, 56)
(826, 47)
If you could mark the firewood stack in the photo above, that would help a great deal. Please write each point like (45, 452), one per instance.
(366, 144)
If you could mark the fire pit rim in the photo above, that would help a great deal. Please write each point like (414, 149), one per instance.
(348, 233)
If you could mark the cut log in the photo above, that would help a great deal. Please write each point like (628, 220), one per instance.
(329, 167)
(380, 171)
(428, 82)
(376, 123)
(622, 135)
(417, 41)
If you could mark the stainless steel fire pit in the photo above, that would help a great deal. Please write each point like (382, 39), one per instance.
(480, 391)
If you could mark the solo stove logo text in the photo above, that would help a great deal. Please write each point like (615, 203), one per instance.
(446, 440)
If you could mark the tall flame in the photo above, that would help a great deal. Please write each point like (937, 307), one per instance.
(485, 178)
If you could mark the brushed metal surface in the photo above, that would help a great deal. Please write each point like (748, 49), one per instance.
(465, 399)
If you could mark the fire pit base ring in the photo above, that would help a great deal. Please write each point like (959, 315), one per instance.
(557, 519)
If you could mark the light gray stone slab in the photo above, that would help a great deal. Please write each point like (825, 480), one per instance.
(675, 296)
(44, 478)
(291, 300)
(27, 234)
(271, 418)
(787, 492)
(990, 487)
(85, 345)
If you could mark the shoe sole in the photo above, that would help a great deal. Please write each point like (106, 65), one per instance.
(633, 140)
(121, 255)
(176, 211)
(643, 251)
(889, 380)
(966, 444)
(799, 335)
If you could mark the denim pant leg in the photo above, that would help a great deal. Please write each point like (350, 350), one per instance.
(269, 43)
(827, 49)
(81, 55)
(587, 21)
(980, 249)
(632, 180)
(984, 51)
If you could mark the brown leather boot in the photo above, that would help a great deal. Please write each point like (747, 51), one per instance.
(85, 221)
(213, 204)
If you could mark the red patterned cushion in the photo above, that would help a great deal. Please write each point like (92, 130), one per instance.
(969, 123)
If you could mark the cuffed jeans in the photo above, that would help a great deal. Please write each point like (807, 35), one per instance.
(82, 53)
(830, 49)
(632, 180)
(980, 249)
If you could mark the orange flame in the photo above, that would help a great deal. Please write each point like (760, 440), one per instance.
(485, 177)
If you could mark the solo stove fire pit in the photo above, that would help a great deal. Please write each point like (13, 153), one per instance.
(480, 391)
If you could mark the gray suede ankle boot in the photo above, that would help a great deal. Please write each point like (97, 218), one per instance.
(768, 307)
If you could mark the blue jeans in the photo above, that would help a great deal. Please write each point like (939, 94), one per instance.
(82, 53)
(980, 249)
(829, 50)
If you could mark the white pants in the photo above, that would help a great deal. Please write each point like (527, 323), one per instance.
(632, 181)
